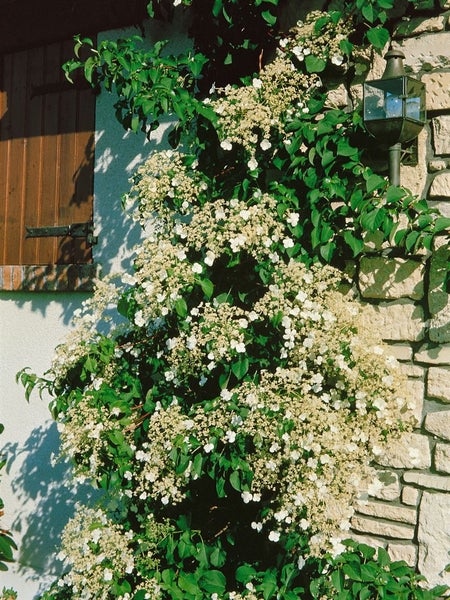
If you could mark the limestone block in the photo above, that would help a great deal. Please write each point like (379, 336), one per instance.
(368, 540)
(409, 451)
(387, 510)
(415, 389)
(428, 480)
(391, 278)
(419, 25)
(414, 177)
(438, 383)
(401, 351)
(440, 186)
(438, 423)
(428, 52)
(406, 552)
(386, 529)
(410, 495)
(441, 134)
(442, 458)
(412, 370)
(386, 486)
(438, 164)
(434, 537)
(400, 320)
(433, 355)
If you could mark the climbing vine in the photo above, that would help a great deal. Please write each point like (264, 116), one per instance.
(228, 395)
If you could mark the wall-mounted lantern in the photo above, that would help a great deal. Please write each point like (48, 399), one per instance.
(394, 109)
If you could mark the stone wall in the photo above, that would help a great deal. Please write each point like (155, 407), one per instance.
(409, 510)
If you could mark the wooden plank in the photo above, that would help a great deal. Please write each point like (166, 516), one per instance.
(17, 160)
(5, 74)
(51, 155)
(33, 173)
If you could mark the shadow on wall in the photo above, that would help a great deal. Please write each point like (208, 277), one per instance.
(46, 499)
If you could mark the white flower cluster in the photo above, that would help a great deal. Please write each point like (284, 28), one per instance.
(216, 334)
(97, 551)
(164, 187)
(312, 423)
(84, 432)
(249, 116)
(236, 226)
(85, 323)
(323, 41)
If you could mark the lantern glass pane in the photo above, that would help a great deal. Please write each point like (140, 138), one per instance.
(383, 99)
(415, 101)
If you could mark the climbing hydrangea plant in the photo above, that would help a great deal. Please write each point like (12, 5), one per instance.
(229, 394)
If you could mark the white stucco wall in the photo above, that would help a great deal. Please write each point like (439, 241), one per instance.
(37, 504)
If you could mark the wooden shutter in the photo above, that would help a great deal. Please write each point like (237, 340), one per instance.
(46, 156)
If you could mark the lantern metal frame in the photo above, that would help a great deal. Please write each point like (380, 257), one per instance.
(394, 109)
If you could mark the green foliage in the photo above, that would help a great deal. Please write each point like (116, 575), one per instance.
(8, 594)
(149, 84)
(363, 573)
(7, 544)
(217, 409)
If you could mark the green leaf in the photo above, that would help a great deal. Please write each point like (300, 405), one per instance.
(356, 244)
(314, 64)
(235, 481)
(181, 307)
(217, 557)
(213, 582)
(207, 287)
(269, 17)
(240, 367)
(368, 12)
(245, 573)
(441, 224)
(378, 37)
(374, 182)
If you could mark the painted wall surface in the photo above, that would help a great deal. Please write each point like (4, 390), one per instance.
(37, 505)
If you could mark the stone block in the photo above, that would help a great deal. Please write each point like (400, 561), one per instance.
(427, 52)
(391, 278)
(406, 552)
(440, 483)
(400, 320)
(402, 352)
(437, 165)
(373, 542)
(409, 451)
(414, 177)
(415, 393)
(438, 423)
(413, 371)
(441, 134)
(442, 458)
(388, 511)
(410, 495)
(433, 355)
(386, 486)
(386, 529)
(438, 383)
(440, 186)
(433, 536)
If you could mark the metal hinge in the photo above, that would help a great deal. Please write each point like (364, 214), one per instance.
(75, 230)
